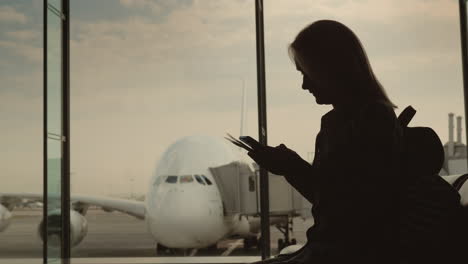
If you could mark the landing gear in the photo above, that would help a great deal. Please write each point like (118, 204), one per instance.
(162, 250)
(212, 248)
(250, 242)
(285, 228)
(280, 244)
(165, 251)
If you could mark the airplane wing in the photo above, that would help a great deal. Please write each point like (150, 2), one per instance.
(134, 208)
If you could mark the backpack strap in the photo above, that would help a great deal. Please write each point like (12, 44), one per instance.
(423, 150)
(406, 115)
(458, 183)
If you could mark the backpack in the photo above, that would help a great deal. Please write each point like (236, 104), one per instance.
(429, 206)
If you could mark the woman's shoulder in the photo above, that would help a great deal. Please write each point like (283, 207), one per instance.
(377, 110)
(372, 112)
(376, 116)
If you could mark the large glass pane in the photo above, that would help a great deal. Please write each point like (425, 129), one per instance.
(21, 130)
(54, 134)
(414, 50)
(156, 85)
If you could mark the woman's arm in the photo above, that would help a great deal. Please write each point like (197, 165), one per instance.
(283, 161)
(304, 180)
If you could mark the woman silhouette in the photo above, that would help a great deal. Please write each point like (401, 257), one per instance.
(353, 182)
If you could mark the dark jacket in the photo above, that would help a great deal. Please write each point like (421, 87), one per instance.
(366, 205)
(353, 182)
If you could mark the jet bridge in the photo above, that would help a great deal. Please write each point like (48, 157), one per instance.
(239, 186)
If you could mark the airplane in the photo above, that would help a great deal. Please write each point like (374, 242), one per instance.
(183, 207)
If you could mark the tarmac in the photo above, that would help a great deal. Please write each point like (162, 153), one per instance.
(115, 235)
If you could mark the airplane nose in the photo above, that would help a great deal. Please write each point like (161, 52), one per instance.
(187, 220)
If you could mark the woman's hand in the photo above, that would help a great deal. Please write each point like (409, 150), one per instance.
(279, 160)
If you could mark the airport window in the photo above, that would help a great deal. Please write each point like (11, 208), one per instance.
(171, 179)
(190, 48)
(186, 178)
(155, 109)
(207, 180)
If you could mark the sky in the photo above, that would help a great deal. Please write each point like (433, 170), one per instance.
(145, 73)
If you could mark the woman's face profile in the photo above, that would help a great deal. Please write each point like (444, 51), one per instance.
(318, 87)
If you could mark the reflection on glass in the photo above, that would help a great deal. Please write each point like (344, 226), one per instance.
(155, 87)
(57, 4)
(54, 130)
(54, 171)
(54, 78)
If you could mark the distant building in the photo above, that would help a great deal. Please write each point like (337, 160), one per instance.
(455, 151)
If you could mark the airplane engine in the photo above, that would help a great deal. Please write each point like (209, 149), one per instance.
(5, 216)
(78, 228)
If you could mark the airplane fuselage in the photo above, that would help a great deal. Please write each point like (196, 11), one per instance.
(184, 208)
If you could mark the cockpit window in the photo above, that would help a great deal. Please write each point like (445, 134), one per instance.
(171, 179)
(207, 180)
(158, 180)
(186, 178)
(199, 179)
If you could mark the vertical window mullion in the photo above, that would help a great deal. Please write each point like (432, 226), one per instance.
(464, 47)
(66, 244)
(262, 129)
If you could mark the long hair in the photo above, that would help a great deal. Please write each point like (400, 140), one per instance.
(331, 50)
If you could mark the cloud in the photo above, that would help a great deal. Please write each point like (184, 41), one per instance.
(10, 15)
(26, 50)
(136, 3)
(215, 39)
(21, 139)
(24, 35)
(188, 46)
(154, 6)
(365, 10)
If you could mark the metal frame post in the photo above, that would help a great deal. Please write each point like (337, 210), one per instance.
(262, 129)
(44, 134)
(464, 47)
(65, 133)
(65, 196)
